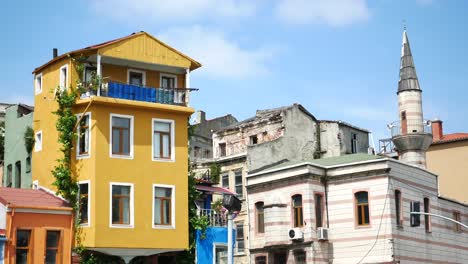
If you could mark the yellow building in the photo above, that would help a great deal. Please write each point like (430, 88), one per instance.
(131, 152)
(448, 157)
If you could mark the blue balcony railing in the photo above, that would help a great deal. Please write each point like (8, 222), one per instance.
(173, 96)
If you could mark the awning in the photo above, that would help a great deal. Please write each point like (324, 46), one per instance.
(213, 189)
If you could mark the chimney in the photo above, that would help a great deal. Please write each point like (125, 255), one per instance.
(54, 53)
(200, 117)
(437, 131)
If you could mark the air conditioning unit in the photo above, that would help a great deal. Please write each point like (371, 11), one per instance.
(295, 234)
(322, 234)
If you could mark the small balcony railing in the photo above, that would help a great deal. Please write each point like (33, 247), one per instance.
(173, 96)
(409, 126)
(216, 218)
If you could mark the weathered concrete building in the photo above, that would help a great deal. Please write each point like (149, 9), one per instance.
(272, 137)
(17, 169)
(201, 142)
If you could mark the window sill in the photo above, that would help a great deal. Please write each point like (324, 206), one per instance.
(240, 254)
(163, 227)
(121, 226)
(85, 225)
(114, 156)
(82, 156)
(163, 160)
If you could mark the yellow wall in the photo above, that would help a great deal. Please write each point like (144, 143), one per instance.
(145, 49)
(450, 162)
(100, 169)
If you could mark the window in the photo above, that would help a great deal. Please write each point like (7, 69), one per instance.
(8, 180)
(207, 154)
(457, 217)
(52, 247)
(318, 210)
(222, 149)
(163, 206)
(404, 123)
(28, 164)
(122, 204)
(168, 81)
(136, 77)
(399, 218)
(89, 73)
(220, 254)
(163, 139)
(415, 218)
(354, 143)
(240, 237)
(238, 183)
(297, 210)
(260, 260)
(84, 202)
(38, 142)
(427, 218)
(38, 83)
(280, 257)
(196, 152)
(362, 208)
(300, 257)
(121, 136)
(22, 246)
(18, 174)
(225, 180)
(253, 140)
(64, 77)
(83, 136)
(260, 217)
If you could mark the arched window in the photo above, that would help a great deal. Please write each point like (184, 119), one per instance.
(362, 208)
(260, 217)
(297, 210)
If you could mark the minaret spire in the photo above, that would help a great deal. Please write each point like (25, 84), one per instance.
(411, 135)
(408, 77)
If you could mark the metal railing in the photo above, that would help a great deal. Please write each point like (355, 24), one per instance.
(216, 218)
(114, 89)
(386, 146)
(410, 127)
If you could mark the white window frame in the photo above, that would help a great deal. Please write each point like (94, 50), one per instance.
(161, 75)
(63, 83)
(130, 156)
(89, 202)
(78, 155)
(37, 85)
(143, 73)
(132, 214)
(172, 146)
(38, 143)
(215, 244)
(172, 226)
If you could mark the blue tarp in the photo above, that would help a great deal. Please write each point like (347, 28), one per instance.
(137, 93)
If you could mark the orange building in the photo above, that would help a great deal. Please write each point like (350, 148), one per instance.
(37, 227)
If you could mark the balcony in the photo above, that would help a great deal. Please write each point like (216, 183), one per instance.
(171, 96)
(216, 218)
(410, 127)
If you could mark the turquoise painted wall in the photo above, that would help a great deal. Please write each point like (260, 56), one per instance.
(214, 236)
(15, 150)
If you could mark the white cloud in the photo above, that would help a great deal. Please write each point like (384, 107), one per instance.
(221, 58)
(173, 10)
(331, 12)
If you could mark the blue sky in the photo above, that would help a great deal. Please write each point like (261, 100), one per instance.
(338, 58)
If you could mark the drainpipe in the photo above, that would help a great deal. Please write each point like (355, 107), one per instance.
(325, 184)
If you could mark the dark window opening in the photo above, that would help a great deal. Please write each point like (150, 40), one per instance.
(18, 174)
(84, 200)
(240, 237)
(362, 208)
(297, 210)
(318, 210)
(415, 218)
(260, 218)
(398, 207)
(222, 149)
(354, 143)
(238, 183)
(253, 140)
(427, 218)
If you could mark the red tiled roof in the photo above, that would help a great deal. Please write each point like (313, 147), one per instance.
(29, 197)
(452, 138)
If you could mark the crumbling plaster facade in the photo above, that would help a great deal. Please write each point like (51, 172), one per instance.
(336, 139)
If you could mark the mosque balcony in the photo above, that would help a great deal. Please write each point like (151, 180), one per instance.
(411, 135)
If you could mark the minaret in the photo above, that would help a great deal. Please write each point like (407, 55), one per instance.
(411, 135)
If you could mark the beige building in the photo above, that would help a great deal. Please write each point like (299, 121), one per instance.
(448, 157)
